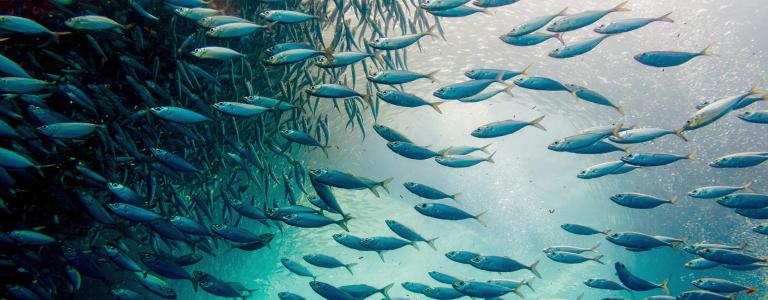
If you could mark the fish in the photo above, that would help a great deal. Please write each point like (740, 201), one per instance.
(531, 39)
(404, 99)
(394, 77)
(599, 170)
(642, 135)
(744, 200)
(637, 240)
(466, 88)
(362, 291)
(571, 258)
(414, 287)
(443, 278)
(757, 116)
(391, 135)
(348, 181)
(296, 268)
(458, 12)
(286, 16)
(462, 161)
(428, 192)
(722, 286)
(654, 159)
(536, 23)
(326, 261)
(592, 96)
(578, 48)
(502, 264)
(442, 293)
(715, 110)
(604, 284)
(640, 201)
(446, 212)
(502, 128)
(582, 19)
(216, 53)
(740, 160)
(92, 22)
(700, 264)
(665, 59)
(635, 283)
(437, 5)
(627, 25)
(400, 42)
(409, 234)
(328, 291)
(582, 230)
(482, 289)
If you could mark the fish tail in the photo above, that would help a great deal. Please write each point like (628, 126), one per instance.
(414, 245)
(485, 12)
(559, 37)
(479, 219)
(508, 90)
(679, 133)
(621, 7)
(431, 76)
(751, 291)
(615, 131)
(56, 35)
(673, 200)
(581, 296)
(533, 269)
(343, 222)
(517, 291)
(619, 109)
(454, 197)
(325, 150)
(529, 283)
(384, 183)
(431, 31)
(490, 158)
(707, 51)
(537, 123)
(597, 259)
(500, 77)
(747, 186)
(484, 149)
(563, 13)
(691, 155)
(434, 106)
(628, 149)
(431, 243)
(594, 248)
(745, 247)
(528, 67)
(665, 18)
(607, 232)
(349, 267)
(385, 290)
(665, 286)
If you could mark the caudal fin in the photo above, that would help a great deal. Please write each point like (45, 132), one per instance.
(747, 186)
(490, 158)
(431, 243)
(484, 149)
(517, 291)
(349, 267)
(563, 13)
(385, 290)
(594, 248)
(383, 184)
(708, 51)
(343, 222)
(533, 270)
(679, 133)
(619, 109)
(435, 106)
(454, 197)
(381, 255)
(597, 259)
(673, 200)
(537, 123)
(431, 76)
(665, 18)
(691, 155)
(528, 67)
(479, 219)
(431, 32)
(413, 244)
(559, 37)
(665, 286)
(621, 7)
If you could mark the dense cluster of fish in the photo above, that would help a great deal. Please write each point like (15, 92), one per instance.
(138, 134)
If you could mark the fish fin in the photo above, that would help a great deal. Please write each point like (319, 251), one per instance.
(679, 133)
(381, 254)
(580, 296)
(665, 286)
(479, 219)
(628, 149)
(431, 76)
(691, 155)
(528, 282)
(751, 291)
(747, 186)
(385, 290)
(431, 32)
(517, 291)
(434, 106)
(615, 131)
(56, 35)
(490, 158)
(619, 109)
(384, 183)
(673, 200)
(413, 244)
(486, 12)
(484, 149)
(349, 267)
(533, 269)
(607, 232)
(343, 222)
(508, 90)
(594, 248)
(500, 77)
(325, 150)
(745, 247)
(708, 50)
(374, 191)
(621, 7)
(559, 37)
(537, 123)
(528, 67)
(597, 259)
(454, 197)
(563, 13)
(431, 243)
(665, 18)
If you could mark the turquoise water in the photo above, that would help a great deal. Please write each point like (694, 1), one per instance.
(529, 191)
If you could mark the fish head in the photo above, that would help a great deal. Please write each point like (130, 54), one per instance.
(72, 22)
(182, 11)
(266, 14)
(554, 25)
(479, 131)
(312, 90)
(384, 94)
(409, 184)
(471, 73)
(440, 92)
(168, 292)
(704, 251)
(613, 237)
(556, 52)
(584, 173)
(422, 207)
(290, 217)
(214, 32)
(760, 228)
(220, 105)
(308, 257)
(394, 145)
(205, 22)
(339, 236)
(601, 28)
(641, 56)
(689, 249)
(286, 131)
(694, 122)
(285, 260)
(557, 145)
(391, 223)
(630, 157)
(267, 237)
(460, 285)
(322, 61)
(477, 260)
(318, 172)
(199, 52)
(375, 42)
(720, 162)
(618, 197)
(519, 80)
(216, 227)
(745, 115)
(116, 205)
(146, 256)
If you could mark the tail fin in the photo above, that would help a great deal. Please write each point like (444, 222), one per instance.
(349, 267)
(628, 149)
(478, 218)
(533, 270)
(453, 197)
(431, 243)
(691, 155)
(665, 18)
(485, 150)
(517, 291)
(751, 291)
(673, 200)
(537, 123)
(679, 133)
(708, 51)
(434, 106)
(528, 282)
(431, 76)
(747, 186)
(56, 35)
(580, 296)
(500, 77)
(621, 7)
(744, 247)
(619, 109)
(413, 244)
(384, 183)
(485, 11)
(385, 290)
(431, 32)
(490, 158)
(594, 248)
(615, 131)
(528, 67)
(343, 222)
(597, 259)
(665, 286)
(563, 13)
(559, 37)
(508, 90)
